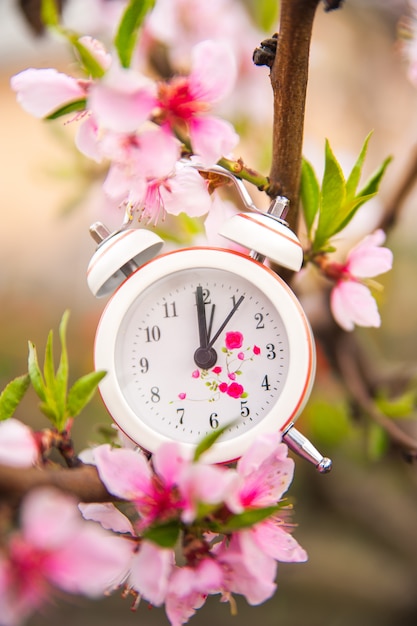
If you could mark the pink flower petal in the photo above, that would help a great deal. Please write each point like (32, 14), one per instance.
(150, 572)
(49, 518)
(125, 473)
(41, 92)
(368, 259)
(214, 71)
(108, 516)
(352, 303)
(87, 141)
(277, 543)
(17, 444)
(122, 101)
(186, 192)
(212, 138)
(168, 463)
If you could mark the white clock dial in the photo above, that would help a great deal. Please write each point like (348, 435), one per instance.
(199, 339)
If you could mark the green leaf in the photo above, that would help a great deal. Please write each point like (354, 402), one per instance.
(372, 185)
(61, 378)
(126, 36)
(332, 197)
(70, 107)
(208, 441)
(50, 13)
(35, 373)
(48, 364)
(398, 408)
(164, 535)
(265, 13)
(353, 179)
(12, 395)
(377, 442)
(82, 391)
(249, 518)
(310, 194)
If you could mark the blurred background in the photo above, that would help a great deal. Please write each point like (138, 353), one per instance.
(359, 523)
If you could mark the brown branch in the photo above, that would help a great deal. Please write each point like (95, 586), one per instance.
(403, 188)
(356, 385)
(289, 75)
(82, 482)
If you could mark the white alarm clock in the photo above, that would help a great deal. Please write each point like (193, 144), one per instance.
(202, 338)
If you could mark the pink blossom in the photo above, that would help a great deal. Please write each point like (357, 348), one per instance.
(247, 569)
(196, 374)
(150, 572)
(122, 100)
(44, 91)
(182, 396)
(18, 447)
(256, 350)
(184, 101)
(234, 340)
(217, 370)
(56, 548)
(223, 387)
(266, 472)
(189, 587)
(241, 356)
(231, 376)
(351, 301)
(129, 475)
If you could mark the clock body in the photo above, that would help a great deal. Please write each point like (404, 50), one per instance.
(264, 359)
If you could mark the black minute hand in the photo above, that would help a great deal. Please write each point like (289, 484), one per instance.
(205, 356)
(226, 321)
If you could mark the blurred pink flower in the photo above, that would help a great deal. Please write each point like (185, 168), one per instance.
(184, 101)
(41, 92)
(351, 301)
(18, 447)
(56, 548)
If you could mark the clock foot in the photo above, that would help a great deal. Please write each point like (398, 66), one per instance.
(304, 448)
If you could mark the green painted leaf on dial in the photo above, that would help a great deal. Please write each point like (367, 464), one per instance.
(132, 20)
(12, 395)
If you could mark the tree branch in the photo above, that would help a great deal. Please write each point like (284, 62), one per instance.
(289, 75)
(82, 482)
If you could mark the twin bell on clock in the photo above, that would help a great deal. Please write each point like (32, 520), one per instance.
(203, 338)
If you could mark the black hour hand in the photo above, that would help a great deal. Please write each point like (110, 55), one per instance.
(205, 356)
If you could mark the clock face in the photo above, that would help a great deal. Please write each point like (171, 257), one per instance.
(195, 342)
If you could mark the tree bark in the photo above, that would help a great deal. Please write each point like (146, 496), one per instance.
(289, 75)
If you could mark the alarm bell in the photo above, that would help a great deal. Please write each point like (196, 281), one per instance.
(118, 255)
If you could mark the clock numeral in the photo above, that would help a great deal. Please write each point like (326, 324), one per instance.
(180, 413)
(155, 397)
(144, 365)
(152, 333)
(265, 383)
(244, 410)
(170, 309)
(259, 321)
(206, 296)
(214, 422)
(271, 354)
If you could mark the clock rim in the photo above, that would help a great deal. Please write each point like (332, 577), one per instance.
(301, 371)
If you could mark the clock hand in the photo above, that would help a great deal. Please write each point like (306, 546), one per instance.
(205, 356)
(226, 321)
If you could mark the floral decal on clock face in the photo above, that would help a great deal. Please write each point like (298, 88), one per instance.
(226, 378)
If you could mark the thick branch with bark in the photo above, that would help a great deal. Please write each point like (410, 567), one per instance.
(289, 75)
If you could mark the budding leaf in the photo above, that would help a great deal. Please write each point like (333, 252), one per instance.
(76, 105)
(82, 392)
(164, 535)
(12, 395)
(310, 194)
(354, 176)
(35, 373)
(126, 36)
(49, 13)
